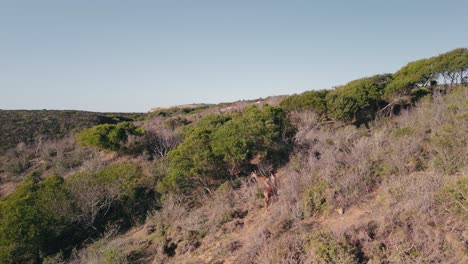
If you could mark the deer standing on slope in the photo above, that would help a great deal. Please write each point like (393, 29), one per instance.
(269, 186)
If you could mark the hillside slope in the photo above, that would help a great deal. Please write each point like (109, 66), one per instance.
(27, 125)
(374, 171)
(394, 193)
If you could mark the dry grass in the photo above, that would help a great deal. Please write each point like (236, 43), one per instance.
(400, 185)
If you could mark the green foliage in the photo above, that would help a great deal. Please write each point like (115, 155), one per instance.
(193, 159)
(313, 199)
(449, 147)
(42, 217)
(115, 256)
(256, 131)
(27, 125)
(32, 218)
(310, 100)
(414, 74)
(230, 185)
(402, 132)
(108, 136)
(222, 145)
(94, 193)
(452, 66)
(454, 197)
(357, 100)
(331, 250)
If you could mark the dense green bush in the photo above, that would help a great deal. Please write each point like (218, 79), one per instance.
(332, 250)
(358, 100)
(310, 100)
(313, 199)
(108, 136)
(32, 219)
(266, 132)
(96, 193)
(43, 217)
(222, 145)
(193, 160)
(451, 66)
(414, 74)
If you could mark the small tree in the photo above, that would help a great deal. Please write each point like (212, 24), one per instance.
(193, 163)
(310, 100)
(94, 193)
(222, 145)
(453, 66)
(358, 100)
(108, 136)
(32, 219)
(161, 137)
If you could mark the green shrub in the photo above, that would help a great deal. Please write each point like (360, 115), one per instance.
(313, 199)
(358, 100)
(28, 125)
(453, 197)
(108, 136)
(410, 79)
(94, 193)
(32, 219)
(265, 131)
(331, 250)
(402, 132)
(115, 256)
(449, 147)
(222, 145)
(413, 75)
(193, 162)
(310, 100)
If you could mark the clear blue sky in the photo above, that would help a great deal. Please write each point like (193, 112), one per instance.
(110, 55)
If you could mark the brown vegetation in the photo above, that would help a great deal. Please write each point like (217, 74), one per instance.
(391, 188)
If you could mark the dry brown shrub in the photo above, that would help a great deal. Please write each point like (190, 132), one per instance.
(288, 249)
(109, 249)
(161, 136)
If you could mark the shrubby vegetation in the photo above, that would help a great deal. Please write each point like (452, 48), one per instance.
(108, 136)
(45, 216)
(393, 192)
(329, 249)
(220, 146)
(360, 100)
(310, 100)
(357, 100)
(28, 126)
(178, 110)
(451, 66)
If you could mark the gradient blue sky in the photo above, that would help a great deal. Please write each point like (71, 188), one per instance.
(130, 56)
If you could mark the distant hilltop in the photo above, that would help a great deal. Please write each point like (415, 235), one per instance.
(225, 106)
(177, 106)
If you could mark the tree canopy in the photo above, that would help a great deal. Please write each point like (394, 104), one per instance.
(221, 146)
(108, 136)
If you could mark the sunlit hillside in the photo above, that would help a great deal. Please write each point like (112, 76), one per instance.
(372, 171)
